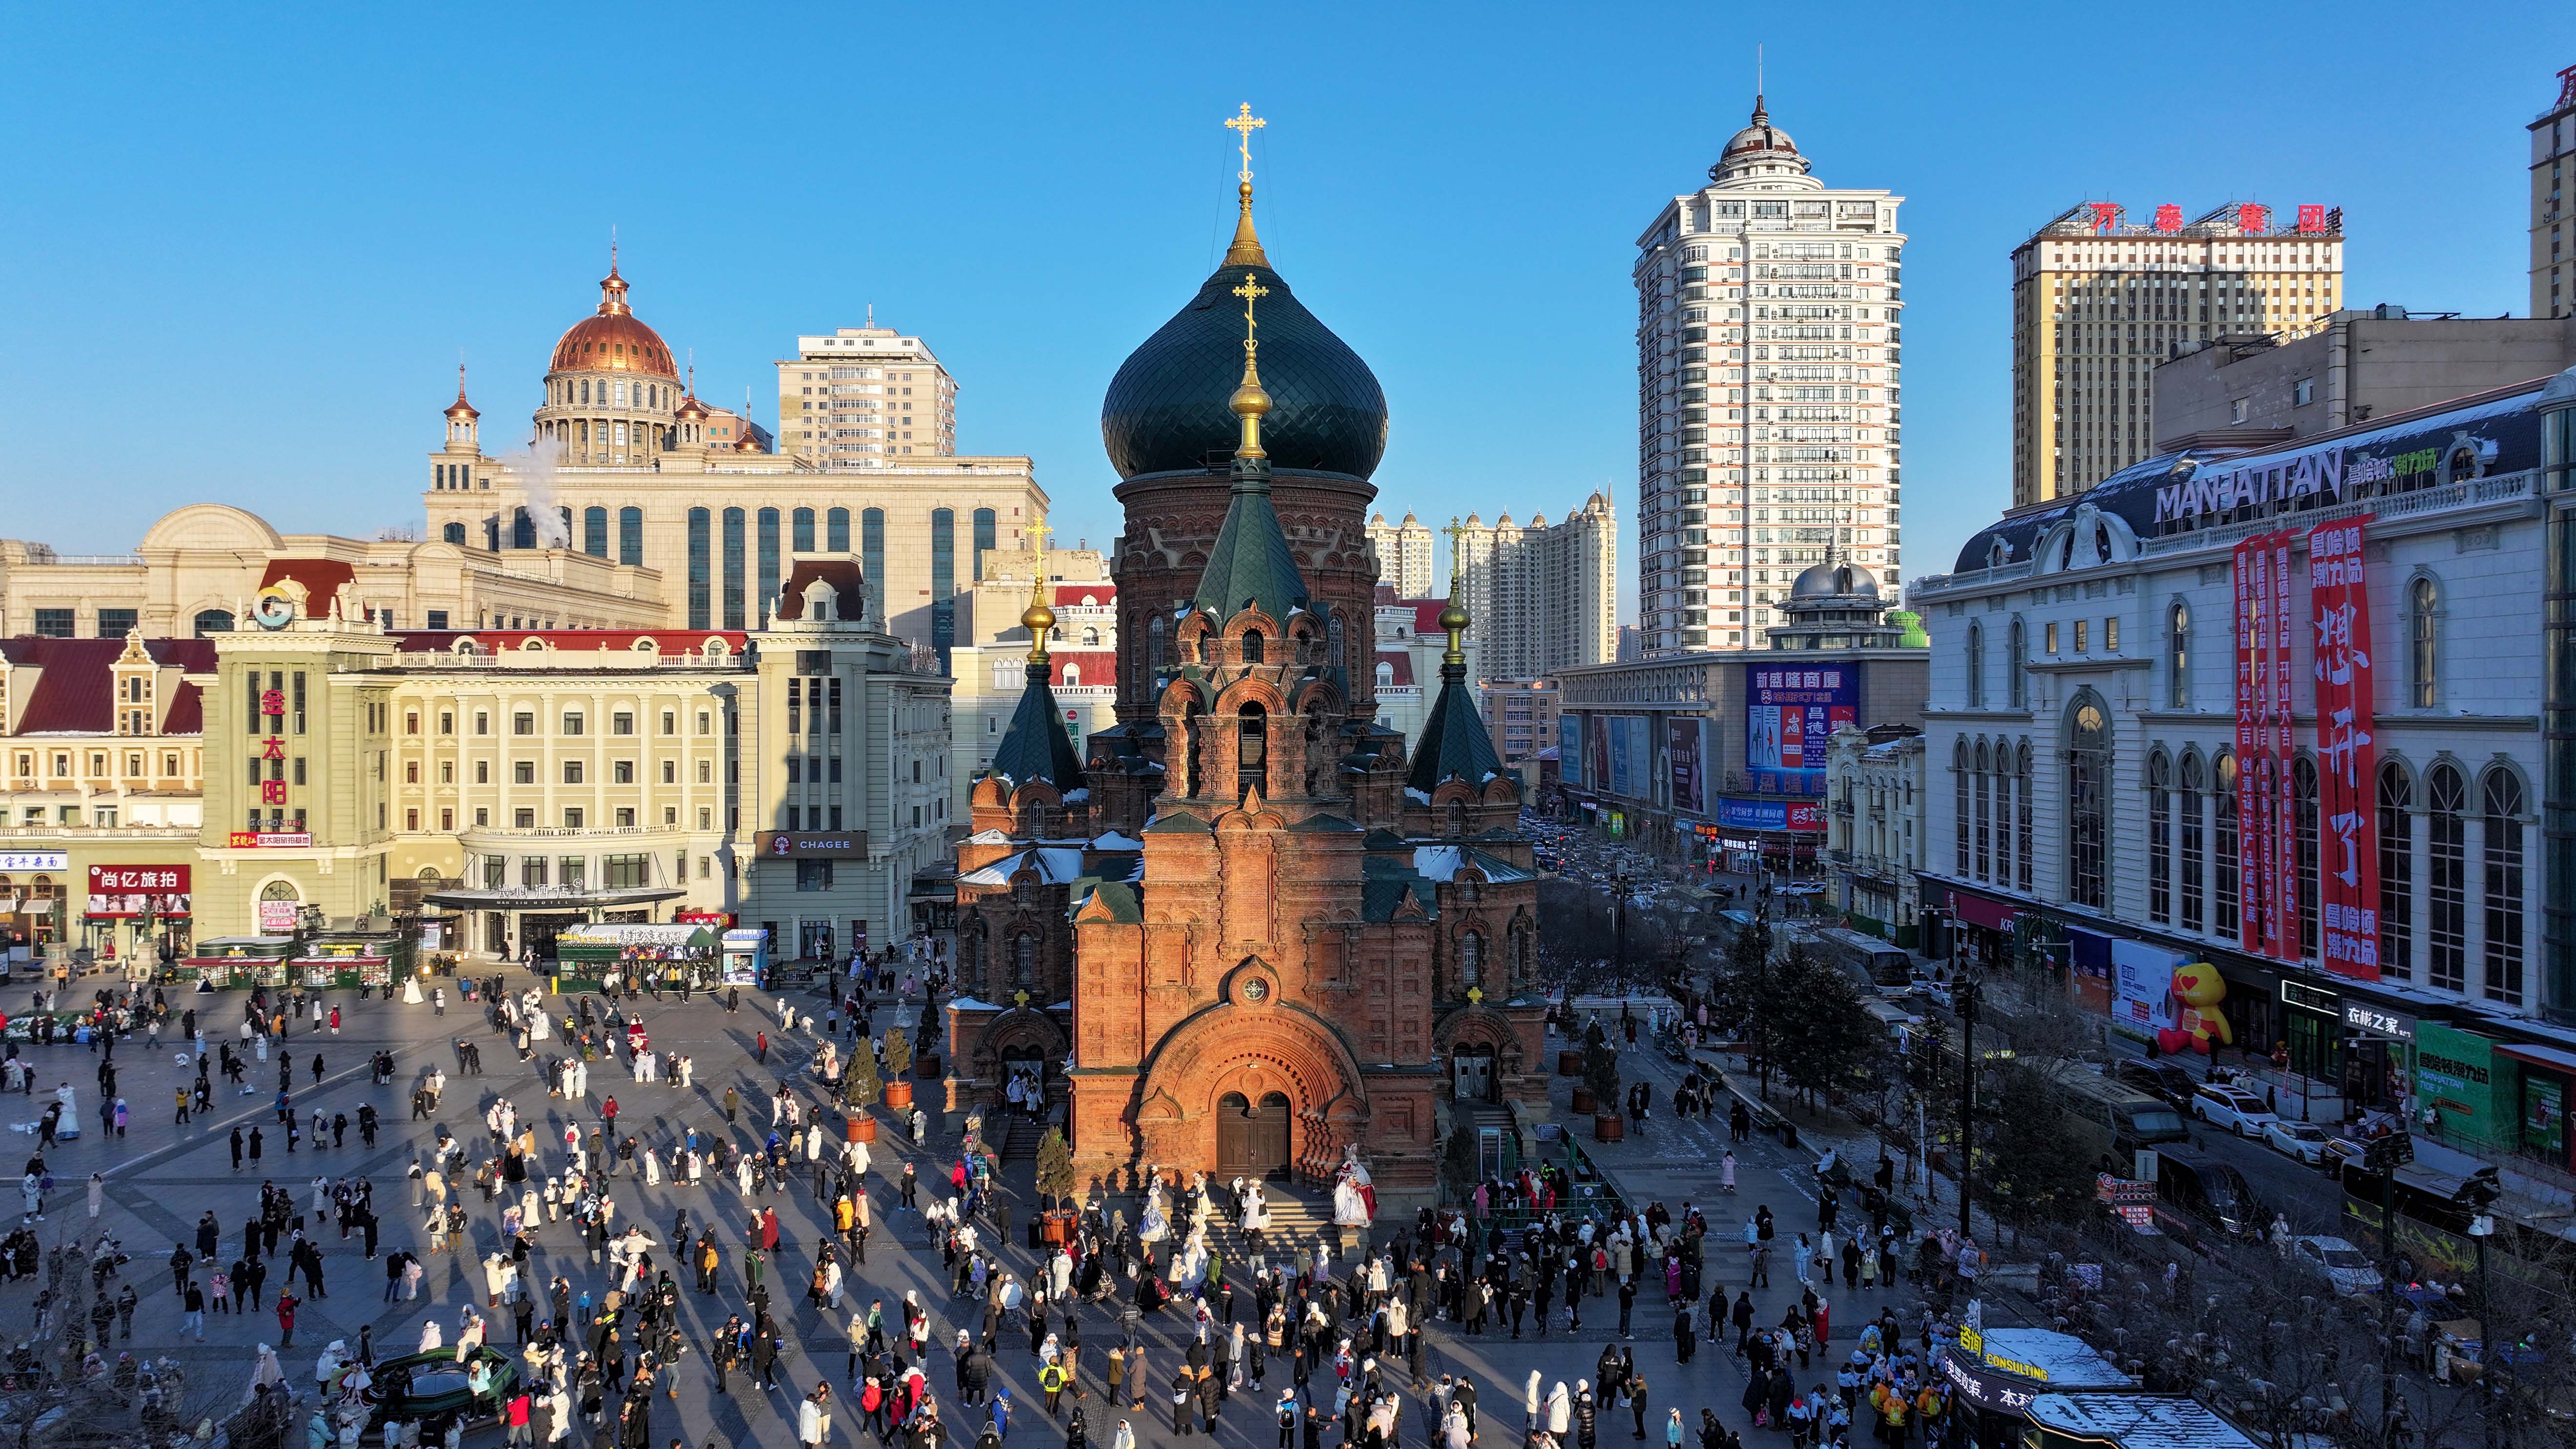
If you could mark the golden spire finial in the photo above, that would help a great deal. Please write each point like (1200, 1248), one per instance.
(1453, 619)
(1038, 619)
(1250, 402)
(1246, 251)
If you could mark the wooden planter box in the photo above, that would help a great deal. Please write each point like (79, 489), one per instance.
(926, 1068)
(1583, 1101)
(862, 1127)
(1569, 1062)
(1608, 1127)
(898, 1095)
(1056, 1228)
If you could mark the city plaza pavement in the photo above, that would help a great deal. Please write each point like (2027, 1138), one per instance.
(161, 1176)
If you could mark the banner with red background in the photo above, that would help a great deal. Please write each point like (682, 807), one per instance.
(2347, 758)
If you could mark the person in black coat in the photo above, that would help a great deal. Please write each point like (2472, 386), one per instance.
(1184, 1392)
(1685, 1340)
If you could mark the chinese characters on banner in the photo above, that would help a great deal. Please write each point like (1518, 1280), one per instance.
(2268, 884)
(133, 890)
(2282, 749)
(2347, 760)
(2250, 877)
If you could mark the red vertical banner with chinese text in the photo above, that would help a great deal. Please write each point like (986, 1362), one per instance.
(2347, 758)
(2249, 876)
(2284, 752)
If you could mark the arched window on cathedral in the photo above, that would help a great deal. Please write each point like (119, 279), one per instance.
(1457, 819)
(1024, 961)
(1251, 646)
(1471, 959)
(1252, 749)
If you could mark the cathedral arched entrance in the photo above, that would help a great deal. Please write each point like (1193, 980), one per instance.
(1471, 1074)
(1252, 1138)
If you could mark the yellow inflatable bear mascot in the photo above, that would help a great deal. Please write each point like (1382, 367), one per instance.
(2196, 991)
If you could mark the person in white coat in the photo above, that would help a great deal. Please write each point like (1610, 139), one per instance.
(1530, 1401)
(1560, 1411)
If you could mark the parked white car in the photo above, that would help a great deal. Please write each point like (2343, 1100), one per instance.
(2302, 1140)
(2223, 1105)
(2338, 1262)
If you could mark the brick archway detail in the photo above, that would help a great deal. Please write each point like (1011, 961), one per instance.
(1252, 1050)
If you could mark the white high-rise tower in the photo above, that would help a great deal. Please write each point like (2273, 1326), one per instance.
(1767, 401)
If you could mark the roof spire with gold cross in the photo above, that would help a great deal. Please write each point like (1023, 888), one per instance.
(1453, 618)
(1246, 251)
(1250, 402)
(1038, 619)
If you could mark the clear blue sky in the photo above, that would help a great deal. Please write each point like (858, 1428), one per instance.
(243, 248)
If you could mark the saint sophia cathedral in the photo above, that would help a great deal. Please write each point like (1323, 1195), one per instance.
(1251, 930)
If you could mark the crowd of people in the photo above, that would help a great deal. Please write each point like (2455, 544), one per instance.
(569, 1314)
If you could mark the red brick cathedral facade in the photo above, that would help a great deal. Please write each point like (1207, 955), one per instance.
(1252, 929)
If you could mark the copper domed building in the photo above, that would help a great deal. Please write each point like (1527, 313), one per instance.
(1248, 933)
(613, 394)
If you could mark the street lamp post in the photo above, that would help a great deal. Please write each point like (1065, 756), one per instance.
(1969, 993)
(1619, 916)
(1762, 991)
(2490, 1355)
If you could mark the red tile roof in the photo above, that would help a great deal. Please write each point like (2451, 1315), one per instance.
(322, 578)
(1099, 666)
(1426, 615)
(187, 714)
(1402, 661)
(1100, 594)
(75, 691)
(849, 587)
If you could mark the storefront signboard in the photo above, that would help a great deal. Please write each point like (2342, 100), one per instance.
(2455, 1076)
(2362, 1016)
(122, 891)
(815, 845)
(277, 918)
(1569, 750)
(269, 839)
(35, 860)
(1795, 815)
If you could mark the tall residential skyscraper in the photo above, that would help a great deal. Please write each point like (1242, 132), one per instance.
(2099, 302)
(1767, 309)
(1543, 596)
(2553, 146)
(865, 397)
(1403, 555)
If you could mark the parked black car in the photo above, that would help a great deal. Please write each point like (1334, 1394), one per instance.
(2211, 1192)
(2157, 1079)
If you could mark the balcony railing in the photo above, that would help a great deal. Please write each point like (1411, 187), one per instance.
(100, 832)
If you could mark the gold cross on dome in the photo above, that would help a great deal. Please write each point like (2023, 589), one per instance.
(1243, 124)
(1038, 532)
(1251, 291)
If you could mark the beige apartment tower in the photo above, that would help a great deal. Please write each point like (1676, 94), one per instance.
(2099, 302)
(2553, 146)
(1768, 308)
(865, 397)
(1403, 555)
(1543, 596)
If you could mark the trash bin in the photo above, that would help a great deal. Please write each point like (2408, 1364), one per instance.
(1788, 1133)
